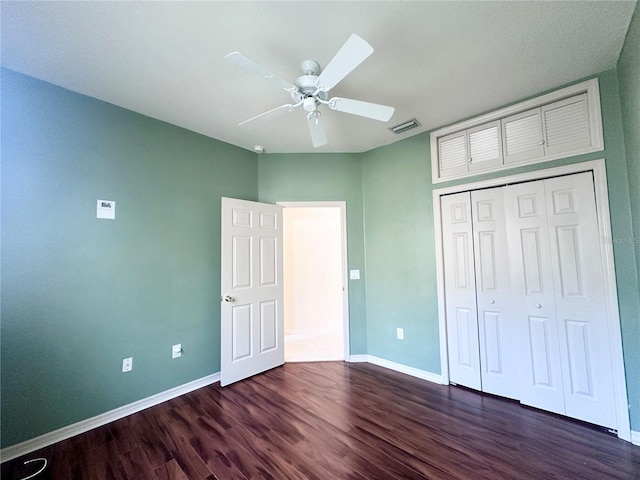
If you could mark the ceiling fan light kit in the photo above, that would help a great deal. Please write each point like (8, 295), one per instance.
(312, 88)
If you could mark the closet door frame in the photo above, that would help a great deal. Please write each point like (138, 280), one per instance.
(597, 168)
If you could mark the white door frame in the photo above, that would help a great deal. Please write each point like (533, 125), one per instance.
(342, 205)
(597, 167)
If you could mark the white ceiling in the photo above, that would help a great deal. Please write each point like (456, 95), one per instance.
(436, 61)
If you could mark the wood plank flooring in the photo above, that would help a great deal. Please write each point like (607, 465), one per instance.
(335, 420)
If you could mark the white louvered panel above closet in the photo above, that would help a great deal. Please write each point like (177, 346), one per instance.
(523, 136)
(452, 151)
(566, 125)
(485, 146)
(556, 125)
(470, 150)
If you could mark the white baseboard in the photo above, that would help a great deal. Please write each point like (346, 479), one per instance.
(398, 367)
(15, 451)
(69, 431)
(358, 358)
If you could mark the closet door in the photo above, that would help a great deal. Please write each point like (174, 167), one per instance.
(532, 286)
(497, 329)
(579, 280)
(453, 155)
(460, 291)
(485, 146)
(566, 125)
(522, 134)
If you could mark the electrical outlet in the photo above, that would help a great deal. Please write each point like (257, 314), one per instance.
(400, 333)
(127, 364)
(176, 350)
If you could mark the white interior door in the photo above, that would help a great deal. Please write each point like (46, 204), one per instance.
(541, 382)
(252, 325)
(497, 330)
(460, 291)
(580, 303)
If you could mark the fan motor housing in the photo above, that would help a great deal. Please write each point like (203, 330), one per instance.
(307, 87)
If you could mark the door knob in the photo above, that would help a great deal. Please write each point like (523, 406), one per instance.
(227, 298)
(492, 301)
(537, 305)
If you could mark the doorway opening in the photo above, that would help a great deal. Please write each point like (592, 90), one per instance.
(316, 325)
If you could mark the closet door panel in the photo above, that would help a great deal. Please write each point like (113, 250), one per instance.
(580, 303)
(532, 286)
(497, 331)
(485, 146)
(566, 125)
(522, 134)
(453, 154)
(460, 291)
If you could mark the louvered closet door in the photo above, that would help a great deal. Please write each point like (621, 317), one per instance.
(460, 291)
(580, 303)
(566, 125)
(485, 146)
(532, 286)
(497, 329)
(452, 154)
(522, 135)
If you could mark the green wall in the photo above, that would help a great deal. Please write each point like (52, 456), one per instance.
(629, 84)
(399, 238)
(80, 294)
(325, 177)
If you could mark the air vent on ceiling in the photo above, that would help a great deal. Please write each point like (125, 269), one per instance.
(404, 126)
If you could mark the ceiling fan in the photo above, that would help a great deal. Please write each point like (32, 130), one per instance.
(312, 89)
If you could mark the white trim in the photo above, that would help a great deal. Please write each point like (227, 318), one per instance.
(611, 299)
(635, 437)
(590, 87)
(14, 451)
(312, 331)
(342, 205)
(598, 168)
(360, 358)
(397, 367)
(442, 318)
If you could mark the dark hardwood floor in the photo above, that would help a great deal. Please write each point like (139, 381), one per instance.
(337, 420)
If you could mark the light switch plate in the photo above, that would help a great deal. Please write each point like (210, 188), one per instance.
(176, 350)
(354, 274)
(127, 364)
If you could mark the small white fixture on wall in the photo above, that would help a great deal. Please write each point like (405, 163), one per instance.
(106, 209)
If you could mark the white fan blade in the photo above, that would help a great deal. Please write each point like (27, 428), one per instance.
(288, 107)
(316, 129)
(364, 109)
(250, 66)
(354, 51)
